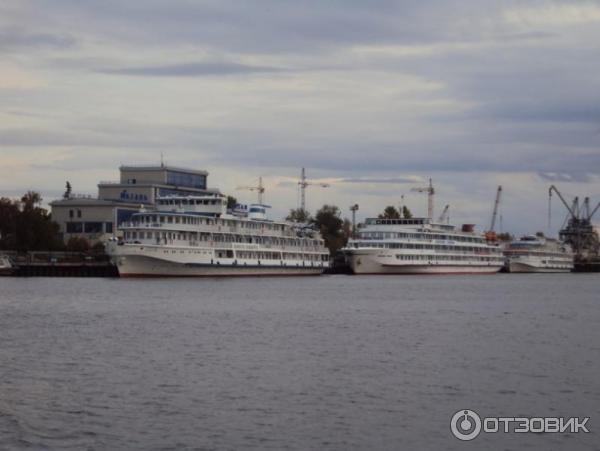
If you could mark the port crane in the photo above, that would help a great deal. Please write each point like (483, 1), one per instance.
(430, 193)
(260, 189)
(490, 235)
(303, 184)
(445, 216)
(579, 231)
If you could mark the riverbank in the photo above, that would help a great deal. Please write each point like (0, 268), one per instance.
(59, 264)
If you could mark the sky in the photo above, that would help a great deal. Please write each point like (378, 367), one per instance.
(373, 97)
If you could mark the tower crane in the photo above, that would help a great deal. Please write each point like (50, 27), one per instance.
(303, 184)
(490, 235)
(260, 189)
(430, 193)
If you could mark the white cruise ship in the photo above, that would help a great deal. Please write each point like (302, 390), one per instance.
(195, 236)
(538, 254)
(419, 246)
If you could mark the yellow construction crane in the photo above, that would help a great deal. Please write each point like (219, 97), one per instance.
(430, 193)
(490, 235)
(303, 184)
(260, 189)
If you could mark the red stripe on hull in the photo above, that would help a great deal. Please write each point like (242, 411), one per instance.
(453, 273)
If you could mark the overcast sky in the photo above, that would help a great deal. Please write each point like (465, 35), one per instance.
(374, 96)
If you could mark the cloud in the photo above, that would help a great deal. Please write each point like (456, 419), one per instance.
(368, 95)
(550, 14)
(13, 76)
(565, 177)
(383, 180)
(192, 70)
(14, 39)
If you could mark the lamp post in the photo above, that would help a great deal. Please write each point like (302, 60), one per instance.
(353, 209)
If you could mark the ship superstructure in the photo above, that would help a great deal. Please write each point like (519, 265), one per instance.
(538, 254)
(195, 236)
(420, 246)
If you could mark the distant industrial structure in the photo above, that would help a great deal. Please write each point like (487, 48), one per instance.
(96, 219)
(579, 232)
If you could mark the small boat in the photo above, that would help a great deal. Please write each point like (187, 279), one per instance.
(6, 266)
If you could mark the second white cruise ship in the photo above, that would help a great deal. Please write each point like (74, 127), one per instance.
(420, 246)
(538, 254)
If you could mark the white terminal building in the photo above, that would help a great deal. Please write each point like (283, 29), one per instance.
(96, 219)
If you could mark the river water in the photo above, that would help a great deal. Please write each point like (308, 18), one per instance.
(322, 363)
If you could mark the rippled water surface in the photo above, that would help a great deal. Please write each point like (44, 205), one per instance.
(324, 363)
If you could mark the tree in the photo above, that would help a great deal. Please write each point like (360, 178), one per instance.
(9, 211)
(331, 225)
(540, 234)
(347, 230)
(67, 194)
(26, 226)
(31, 200)
(231, 202)
(390, 212)
(78, 244)
(299, 215)
(504, 237)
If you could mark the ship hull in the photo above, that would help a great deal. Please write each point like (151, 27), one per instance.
(516, 267)
(368, 264)
(133, 262)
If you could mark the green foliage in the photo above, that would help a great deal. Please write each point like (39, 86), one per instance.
(9, 211)
(540, 234)
(390, 212)
(98, 248)
(331, 227)
(26, 226)
(299, 215)
(231, 202)
(78, 244)
(347, 230)
(504, 237)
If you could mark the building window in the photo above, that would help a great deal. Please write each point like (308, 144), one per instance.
(74, 227)
(71, 214)
(186, 179)
(108, 227)
(78, 213)
(92, 227)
